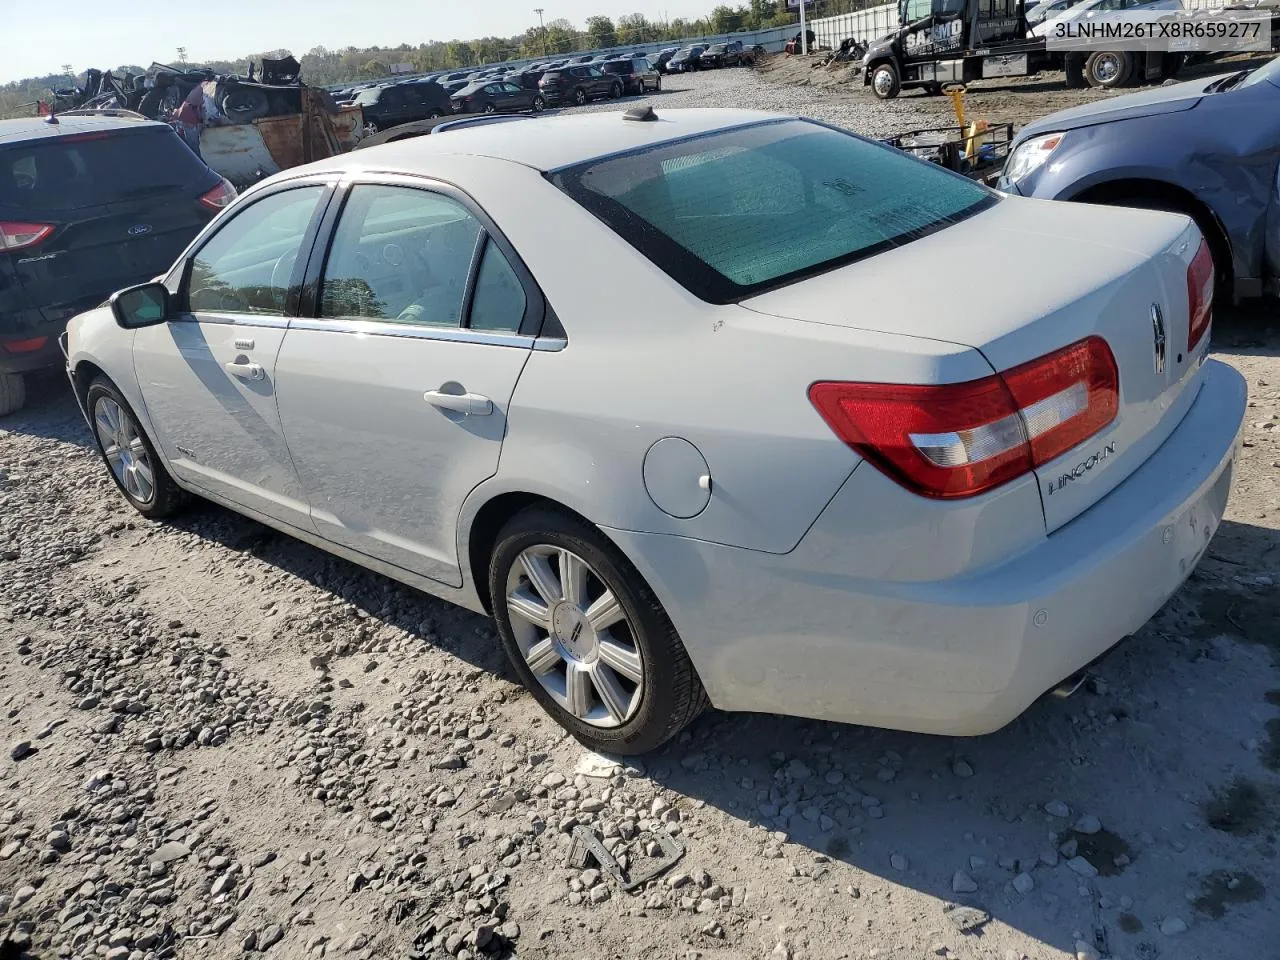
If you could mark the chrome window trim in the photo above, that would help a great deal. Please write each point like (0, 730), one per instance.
(381, 328)
(265, 320)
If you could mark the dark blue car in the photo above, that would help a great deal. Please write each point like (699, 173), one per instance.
(1209, 148)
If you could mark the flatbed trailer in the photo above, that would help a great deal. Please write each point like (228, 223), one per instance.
(959, 41)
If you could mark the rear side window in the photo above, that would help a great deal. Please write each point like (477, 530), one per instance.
(731, 214)
(92, 169)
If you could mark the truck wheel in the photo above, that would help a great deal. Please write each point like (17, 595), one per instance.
(884, 81)
(1073, 67)
(245, 105)
(13, 393)
(1108, 69)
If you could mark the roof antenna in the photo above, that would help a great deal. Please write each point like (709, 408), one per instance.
(643, 114)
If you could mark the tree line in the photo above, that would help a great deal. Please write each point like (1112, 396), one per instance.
(322, 66)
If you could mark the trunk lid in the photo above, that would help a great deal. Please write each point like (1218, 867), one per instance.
(123, 205)
(1021, 280)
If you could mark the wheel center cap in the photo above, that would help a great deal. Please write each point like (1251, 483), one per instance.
(573, 633)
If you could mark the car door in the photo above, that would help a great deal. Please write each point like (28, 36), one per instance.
(515, 97)
(208, 377)
(394, 393)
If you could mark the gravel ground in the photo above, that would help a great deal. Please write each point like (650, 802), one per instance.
(216, 741)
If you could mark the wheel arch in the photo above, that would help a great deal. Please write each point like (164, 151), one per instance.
(1178, 198)
(489, 519)
(869, 68)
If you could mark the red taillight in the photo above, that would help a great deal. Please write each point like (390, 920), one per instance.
(26, 346)
(960, 439)
(1199, 295)
(219, 196)
(15, 235)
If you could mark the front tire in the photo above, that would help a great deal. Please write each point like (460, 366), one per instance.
(587, 636)
(13, 393)
(580, 97)
(539, 104)
(615, 92)
(128, 454)
(884, 81)
(490, 108)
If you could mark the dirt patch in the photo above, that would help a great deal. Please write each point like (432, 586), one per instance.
(1252, 616)
(1239, 809)
(1224, 888)
(1128, 923)
(1108, 852)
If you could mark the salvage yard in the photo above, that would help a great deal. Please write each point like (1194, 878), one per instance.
(218, 741)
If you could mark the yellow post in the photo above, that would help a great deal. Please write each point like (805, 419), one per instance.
(956, 92)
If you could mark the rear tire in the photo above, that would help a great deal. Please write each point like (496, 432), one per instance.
(615, 92)
(652, 704)
(1073, 68)
(539, 104)
(1108, 69)
(13, 393)
(490, 108)
(158, 496)
(580, 97)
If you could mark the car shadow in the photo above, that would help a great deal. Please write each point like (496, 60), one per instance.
(964, 821)
(51, 411)
(1252, 327)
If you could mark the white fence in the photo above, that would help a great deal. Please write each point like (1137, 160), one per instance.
(865, 25)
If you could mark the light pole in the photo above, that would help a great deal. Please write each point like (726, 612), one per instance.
(542, 28)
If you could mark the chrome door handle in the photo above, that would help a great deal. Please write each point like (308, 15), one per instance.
(468, 404)
(245, 371)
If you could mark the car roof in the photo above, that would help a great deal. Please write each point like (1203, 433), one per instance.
(546, 143)
(36, 128)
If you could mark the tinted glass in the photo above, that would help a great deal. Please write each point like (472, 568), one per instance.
(399, 255)
(498, 302)
(246, 266)
(734, 213)
(618, 66)
(72, 172)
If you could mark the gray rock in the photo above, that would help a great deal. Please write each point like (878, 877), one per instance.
(898, 862)
(599, 894)
(20, 750)
(269, 936)
(1173, 926)
(1083, 867)
(1023, 883)
(59, 840)
(168, 852)
(961, 882)
(962, 769)
(1088, 824)
(966, 919)
(1056, 808)
(1085, 951)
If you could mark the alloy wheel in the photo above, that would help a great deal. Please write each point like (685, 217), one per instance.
(124, 449)
(575, 636)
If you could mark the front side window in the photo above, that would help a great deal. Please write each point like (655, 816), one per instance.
(400, 255)
(246, 267)
(737, 212)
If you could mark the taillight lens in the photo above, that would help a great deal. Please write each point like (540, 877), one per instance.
(26, 346)
(1199, 295)
(15, 235)
(961, 439)
(220, 196)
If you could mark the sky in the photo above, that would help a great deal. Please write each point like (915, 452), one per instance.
(37, 39)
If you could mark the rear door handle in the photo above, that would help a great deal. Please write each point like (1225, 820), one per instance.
(468, 404)
(245, 371)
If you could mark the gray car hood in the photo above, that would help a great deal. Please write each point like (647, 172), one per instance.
(1171, 99)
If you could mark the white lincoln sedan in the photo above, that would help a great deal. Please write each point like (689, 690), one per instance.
(703, 406)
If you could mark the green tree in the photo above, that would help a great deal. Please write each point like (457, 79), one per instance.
(600, 33)
(726, 20)
(373, 68)
(561, 37)
(635, 28)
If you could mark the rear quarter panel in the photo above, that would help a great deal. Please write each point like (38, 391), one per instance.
(646, 360)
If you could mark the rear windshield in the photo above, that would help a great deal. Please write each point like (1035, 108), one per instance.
(731, 214)
(618, 66)
(91, 169)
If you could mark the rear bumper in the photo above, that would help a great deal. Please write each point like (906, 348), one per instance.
(796, 634)
(45, 357)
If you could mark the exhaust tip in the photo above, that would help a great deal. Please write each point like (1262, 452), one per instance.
(1070, 685)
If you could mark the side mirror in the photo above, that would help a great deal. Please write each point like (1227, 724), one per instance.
(142, 306)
